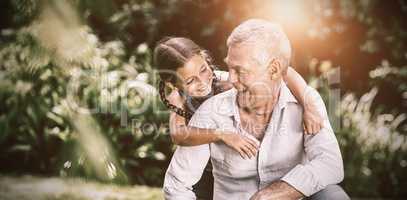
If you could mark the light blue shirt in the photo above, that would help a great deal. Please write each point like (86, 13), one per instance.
(307, 162)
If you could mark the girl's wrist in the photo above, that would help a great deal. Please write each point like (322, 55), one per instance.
(307, 98)
(219, 135)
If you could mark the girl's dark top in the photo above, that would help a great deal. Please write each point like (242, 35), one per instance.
(204, 188)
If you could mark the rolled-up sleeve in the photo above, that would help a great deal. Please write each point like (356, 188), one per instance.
(185, 170)
(188, 163)
(325, 164)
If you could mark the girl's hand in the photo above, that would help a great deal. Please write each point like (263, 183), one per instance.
(313, 121)
(246, 147)
(175, 98)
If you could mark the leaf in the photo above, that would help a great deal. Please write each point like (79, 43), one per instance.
(20, 147)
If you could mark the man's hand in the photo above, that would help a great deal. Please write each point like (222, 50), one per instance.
(277, 190)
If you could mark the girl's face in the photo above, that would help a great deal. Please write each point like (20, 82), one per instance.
(195, 77)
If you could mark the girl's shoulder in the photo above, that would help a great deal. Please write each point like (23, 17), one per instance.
(221, 75)
(223, 83)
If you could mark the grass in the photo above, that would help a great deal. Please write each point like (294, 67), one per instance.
(56, 188)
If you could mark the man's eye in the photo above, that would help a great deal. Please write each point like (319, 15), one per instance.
(203, 69)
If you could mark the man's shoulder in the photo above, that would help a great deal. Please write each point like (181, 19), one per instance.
(313, 94)
(213, 110)
(220, 103)
(312, 90)
(310, 94)
(223, 96)
(228, 94)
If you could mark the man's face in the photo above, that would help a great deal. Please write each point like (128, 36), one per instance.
(252, 81)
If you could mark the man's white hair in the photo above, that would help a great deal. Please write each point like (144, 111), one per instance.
(269, 38)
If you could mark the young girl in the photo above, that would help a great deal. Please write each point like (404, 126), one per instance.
(188, 71)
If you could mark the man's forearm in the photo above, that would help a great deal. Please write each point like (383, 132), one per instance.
(278, 190)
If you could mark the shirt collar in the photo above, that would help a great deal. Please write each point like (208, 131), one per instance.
(285, 96)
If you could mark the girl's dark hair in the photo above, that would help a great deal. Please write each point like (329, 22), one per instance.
(170, 54)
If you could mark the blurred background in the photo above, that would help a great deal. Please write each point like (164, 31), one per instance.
(79, 112)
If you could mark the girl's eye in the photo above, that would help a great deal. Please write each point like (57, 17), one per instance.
(189, 81)
(203, 69)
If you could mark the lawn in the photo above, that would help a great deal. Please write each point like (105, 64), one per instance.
(55, 188)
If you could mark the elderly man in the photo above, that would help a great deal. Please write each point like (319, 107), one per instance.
(288, 164)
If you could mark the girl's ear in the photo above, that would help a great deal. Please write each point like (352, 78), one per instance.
(170, 85)
(275, 69)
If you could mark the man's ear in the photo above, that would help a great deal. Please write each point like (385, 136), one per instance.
(275, 69)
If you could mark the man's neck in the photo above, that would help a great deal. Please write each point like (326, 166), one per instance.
(265, 109)
(255, 120)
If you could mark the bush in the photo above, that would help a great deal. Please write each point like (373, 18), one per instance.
(69, 104)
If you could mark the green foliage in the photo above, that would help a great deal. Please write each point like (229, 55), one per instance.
(28, 125)
(373, 143)
(374, 148)
(69, 104)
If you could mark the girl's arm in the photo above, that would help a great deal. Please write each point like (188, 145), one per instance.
(312, 119)
(184, 135)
